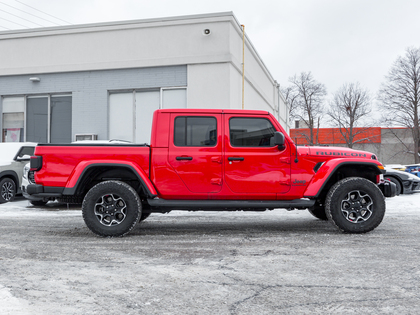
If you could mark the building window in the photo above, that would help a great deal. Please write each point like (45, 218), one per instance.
(251, 132)
(195, 131)
(60, 119)
(41, 119)
(131, 113)
(13, 119)
(37, 119)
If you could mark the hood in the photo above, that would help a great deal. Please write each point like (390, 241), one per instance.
(336, 152)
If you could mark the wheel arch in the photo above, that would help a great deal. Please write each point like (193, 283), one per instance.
(12, 175)
(324, 180)
(92, 174)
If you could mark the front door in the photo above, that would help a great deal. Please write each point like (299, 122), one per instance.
(253, 164)
(195, 152)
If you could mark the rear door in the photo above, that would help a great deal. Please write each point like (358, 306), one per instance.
(195, 151)
(253, 164)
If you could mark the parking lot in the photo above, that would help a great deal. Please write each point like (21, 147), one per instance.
(275, 262)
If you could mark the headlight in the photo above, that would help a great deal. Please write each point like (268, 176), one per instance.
(26, 169)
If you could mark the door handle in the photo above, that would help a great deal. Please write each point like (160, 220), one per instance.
(231, 158)
(181, 158)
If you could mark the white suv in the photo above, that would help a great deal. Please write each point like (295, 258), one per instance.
(13, 156)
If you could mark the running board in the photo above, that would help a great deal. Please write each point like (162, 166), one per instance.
(229, 204)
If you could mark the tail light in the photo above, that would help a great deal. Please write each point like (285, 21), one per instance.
(36, 163)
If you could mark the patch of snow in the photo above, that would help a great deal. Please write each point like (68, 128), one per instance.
(12, 305)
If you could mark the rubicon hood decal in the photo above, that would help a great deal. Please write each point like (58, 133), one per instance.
(334, 152)
(338, 153)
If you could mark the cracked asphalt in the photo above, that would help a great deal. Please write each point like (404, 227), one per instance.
(275, 262)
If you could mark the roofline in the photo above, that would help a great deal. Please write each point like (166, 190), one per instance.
(213, 111)
(127, 24)
(117, 23)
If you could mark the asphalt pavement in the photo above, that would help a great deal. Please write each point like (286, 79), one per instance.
(274, 262)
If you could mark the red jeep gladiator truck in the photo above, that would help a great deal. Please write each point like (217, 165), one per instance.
(212, 160)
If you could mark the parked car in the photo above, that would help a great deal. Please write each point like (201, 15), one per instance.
(413, 169)
(13, 156)
(406, 183)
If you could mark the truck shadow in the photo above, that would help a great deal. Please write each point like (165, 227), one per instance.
(196, 225)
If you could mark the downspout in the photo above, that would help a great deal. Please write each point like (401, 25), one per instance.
(243, 66)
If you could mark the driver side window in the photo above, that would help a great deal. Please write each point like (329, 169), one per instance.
(251, 132)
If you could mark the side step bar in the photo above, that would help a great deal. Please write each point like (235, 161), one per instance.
(163, 204)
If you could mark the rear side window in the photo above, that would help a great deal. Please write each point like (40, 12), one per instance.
(25, 151)
(195, 131)
(251, 132)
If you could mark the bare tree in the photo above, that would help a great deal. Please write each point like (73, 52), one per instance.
(400, 95)
(306, 97)
(350, 105)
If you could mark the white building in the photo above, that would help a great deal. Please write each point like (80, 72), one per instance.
(106, 79)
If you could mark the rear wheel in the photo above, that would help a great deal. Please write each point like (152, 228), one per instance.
(111, 208)
(7, 190)
(355, 205)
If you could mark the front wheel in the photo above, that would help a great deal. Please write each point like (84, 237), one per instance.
(111, 208)
(355, 205)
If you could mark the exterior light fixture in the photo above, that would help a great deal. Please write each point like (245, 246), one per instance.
(34, 79)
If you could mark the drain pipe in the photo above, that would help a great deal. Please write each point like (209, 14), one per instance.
(243, 66)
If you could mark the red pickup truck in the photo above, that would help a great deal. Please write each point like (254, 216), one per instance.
(212, 160)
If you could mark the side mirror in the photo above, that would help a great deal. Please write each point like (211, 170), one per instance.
(279, 140)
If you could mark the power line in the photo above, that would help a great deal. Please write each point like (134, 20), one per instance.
(44, 12)
(29, 13)
(14, 22)
(21, 17)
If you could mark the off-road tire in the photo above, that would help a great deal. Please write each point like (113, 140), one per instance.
(7, 190)
(355, 205)
(318, 211)
(111, 208)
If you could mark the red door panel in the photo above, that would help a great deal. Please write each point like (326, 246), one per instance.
(195, 153)
(252, 164)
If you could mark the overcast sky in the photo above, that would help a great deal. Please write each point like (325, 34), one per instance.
(339, 41)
